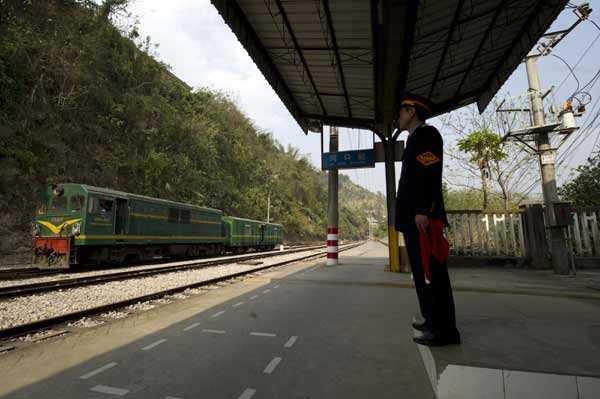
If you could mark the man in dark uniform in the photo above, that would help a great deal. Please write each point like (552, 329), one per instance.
(420, 215)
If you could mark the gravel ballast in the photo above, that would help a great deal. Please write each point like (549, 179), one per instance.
(23, 310)
(111, 270)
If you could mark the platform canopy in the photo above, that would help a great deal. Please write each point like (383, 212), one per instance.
(349, 62)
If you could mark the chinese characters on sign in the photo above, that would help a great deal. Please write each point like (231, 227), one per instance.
(349, 159)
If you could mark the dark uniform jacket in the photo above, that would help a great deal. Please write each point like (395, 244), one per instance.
(420, 186)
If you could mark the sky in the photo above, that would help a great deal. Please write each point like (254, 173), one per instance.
(201, 50)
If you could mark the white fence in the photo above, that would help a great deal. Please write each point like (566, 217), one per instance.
(583, 231)
(476, 233)
(500, 233)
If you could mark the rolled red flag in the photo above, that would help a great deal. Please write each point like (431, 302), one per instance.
(433, 244)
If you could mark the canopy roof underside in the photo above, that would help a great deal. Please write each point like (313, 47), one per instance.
(349, 62)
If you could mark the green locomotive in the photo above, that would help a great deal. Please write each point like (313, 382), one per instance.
(77, 223)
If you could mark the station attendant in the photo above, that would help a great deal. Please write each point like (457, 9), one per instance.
(421, 217)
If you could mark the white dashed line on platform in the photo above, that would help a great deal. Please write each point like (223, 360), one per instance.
(188, 328)
(248, 393)
(110, 390)
(171, 397)
(254, 297)
(218, 313)
(290, 342)
(154, 344)
(271, 366)
(98, 371)
(277, 286)
(259, 334)
(266, 291)
(213, 331)
(238, 304)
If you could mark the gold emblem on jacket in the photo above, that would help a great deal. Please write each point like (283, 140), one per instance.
(428, 158)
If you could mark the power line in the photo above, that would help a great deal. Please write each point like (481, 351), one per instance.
(570, 69)
(580, 58)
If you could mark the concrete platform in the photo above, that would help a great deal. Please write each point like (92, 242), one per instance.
(312, 331)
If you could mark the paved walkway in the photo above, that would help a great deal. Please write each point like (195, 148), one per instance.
(311, 331)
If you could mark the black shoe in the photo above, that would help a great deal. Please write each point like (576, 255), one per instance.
(431, 339)
(420, 326)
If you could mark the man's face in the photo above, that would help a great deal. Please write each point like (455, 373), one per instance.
(405, 116)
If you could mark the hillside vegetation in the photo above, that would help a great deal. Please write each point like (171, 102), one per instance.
(82, 101)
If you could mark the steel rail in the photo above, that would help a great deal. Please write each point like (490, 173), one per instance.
(45, 323)
(14, 291)
(24, 272)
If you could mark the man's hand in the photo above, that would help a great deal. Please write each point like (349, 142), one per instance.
(422, 221)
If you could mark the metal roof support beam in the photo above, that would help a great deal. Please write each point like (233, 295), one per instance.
(445, 77)
(237, 21)
(376, 43)
(481, 43)
(397, 63)
(399, 21)
(322, 48)
(445, 51)
(466, 20)
(515, 50)
(343, 121)
(297, 46)
(337, 53)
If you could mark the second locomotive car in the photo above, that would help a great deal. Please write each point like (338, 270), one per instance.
(77, 223)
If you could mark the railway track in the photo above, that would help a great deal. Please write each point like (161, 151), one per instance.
(24, 272)
(13, 291)
(38, 325)
(14, 272)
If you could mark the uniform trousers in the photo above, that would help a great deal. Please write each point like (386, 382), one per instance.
(435, 299)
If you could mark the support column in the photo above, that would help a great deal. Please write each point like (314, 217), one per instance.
(332, 211)
(390, 186)
(558, 247)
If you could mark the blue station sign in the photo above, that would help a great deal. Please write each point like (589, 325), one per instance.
(349, 159)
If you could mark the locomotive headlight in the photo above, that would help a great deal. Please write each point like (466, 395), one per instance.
(35, 230)
(76, 229)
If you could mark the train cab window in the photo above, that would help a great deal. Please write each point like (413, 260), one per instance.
(102, 206)
(42, 208)
(173, 215)
(77, 203)
(247, 230)
(185, 216)
(58, 204)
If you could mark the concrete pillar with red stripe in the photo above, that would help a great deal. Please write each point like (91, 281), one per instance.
(332, 246)
(332, 211)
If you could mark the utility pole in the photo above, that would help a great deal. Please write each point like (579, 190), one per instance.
(332, 212)
(272, 180)
(269, 205)
(558, 244)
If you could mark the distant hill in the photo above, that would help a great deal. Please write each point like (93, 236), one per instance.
(81, 101)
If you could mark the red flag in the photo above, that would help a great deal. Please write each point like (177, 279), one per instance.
(434, 244)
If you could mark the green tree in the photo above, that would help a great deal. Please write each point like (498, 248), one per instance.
(483, 146)
(584, 189)
(505, 177)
